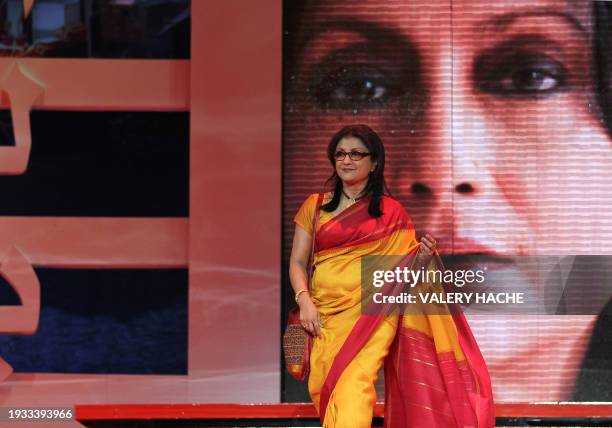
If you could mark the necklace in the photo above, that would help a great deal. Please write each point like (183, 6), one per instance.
(353, 199)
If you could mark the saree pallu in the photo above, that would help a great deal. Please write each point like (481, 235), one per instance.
(435, 375)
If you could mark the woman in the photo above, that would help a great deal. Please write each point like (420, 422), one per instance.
(497, 124)
(434, 374)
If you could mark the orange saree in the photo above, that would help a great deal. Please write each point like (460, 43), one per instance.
(435, 375)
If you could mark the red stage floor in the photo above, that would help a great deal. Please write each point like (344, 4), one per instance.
(270, 412)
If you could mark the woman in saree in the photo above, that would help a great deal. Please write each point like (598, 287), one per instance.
(434, 373)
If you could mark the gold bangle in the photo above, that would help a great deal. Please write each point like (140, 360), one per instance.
(297, 295)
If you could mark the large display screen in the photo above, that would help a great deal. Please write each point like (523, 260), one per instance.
(496, 124)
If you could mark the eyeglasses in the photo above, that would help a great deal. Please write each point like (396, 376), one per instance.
(354, 155)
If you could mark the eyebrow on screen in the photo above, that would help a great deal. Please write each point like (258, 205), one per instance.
(373, 32)
(368, 28)
(508, 18)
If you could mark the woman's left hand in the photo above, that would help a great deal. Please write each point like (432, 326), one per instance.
(428, 245)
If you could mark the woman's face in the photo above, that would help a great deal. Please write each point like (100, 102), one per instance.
(353, 172)
(487, 112)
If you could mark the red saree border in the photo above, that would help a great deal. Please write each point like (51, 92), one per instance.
(377, 235)
(335, 221)
(357, 214)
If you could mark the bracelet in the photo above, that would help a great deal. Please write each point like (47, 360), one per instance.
(297, 295)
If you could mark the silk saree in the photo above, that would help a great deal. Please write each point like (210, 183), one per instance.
(434, 373)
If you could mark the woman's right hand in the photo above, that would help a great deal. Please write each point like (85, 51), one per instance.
(310, 318)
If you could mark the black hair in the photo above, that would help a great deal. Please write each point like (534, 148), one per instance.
(376, 186)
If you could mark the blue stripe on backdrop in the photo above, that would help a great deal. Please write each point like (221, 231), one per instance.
(128, 321)
(100, 164)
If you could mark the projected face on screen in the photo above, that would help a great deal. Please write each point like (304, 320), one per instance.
(488, 112)
(488, 115)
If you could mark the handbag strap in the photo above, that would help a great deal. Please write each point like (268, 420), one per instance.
(314, 233)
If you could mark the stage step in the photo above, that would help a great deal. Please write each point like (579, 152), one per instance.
(304, 415)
